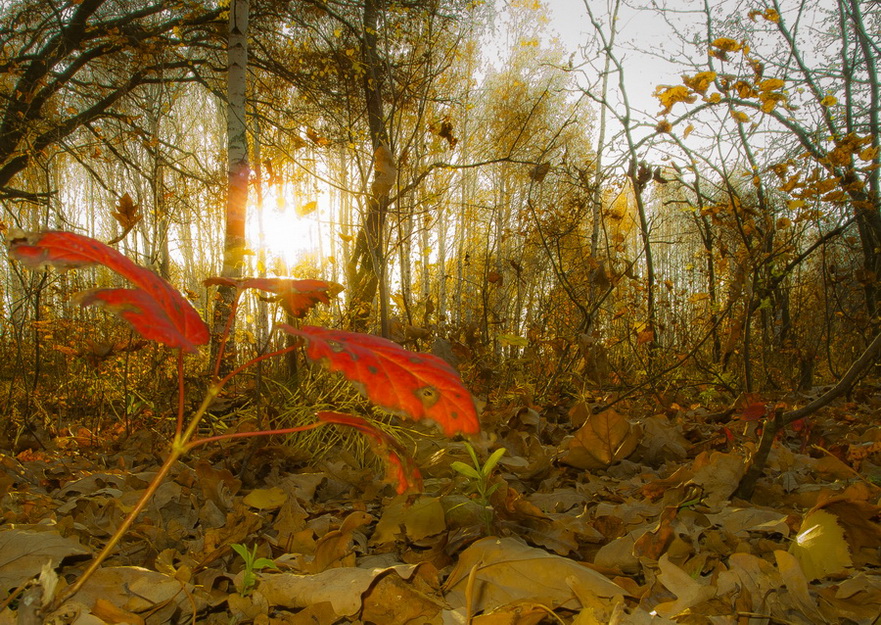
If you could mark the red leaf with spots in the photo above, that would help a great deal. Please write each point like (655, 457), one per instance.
(420, 386)
(156, 309)
(402, 472)
(139, 309)
(297, 297)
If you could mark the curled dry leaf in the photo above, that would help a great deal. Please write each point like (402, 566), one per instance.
(402, 472)
(155, 302)
(127, 213)
(343, 587)
(416, 385)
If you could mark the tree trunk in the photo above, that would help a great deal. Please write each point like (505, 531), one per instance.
(366, 270)
(237, 195)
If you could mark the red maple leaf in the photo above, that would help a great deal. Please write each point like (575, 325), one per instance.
(297, 297)
(402, 472)
(420, 386)
(155, 309)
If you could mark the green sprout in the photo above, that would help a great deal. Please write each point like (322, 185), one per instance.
(252, 563)
(480, 480)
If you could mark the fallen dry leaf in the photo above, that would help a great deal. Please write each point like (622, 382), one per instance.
(689, 591)
(416, 519)
(604, 438)
(23, 553)
(820, 546)
(342, 588)
(508, 571)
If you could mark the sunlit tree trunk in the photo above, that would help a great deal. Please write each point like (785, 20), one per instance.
(237, 195)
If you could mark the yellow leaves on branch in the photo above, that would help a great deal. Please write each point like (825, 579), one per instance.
(668, 96)
(739, 116)
(726, 44)
(850, 145)
(307, 208)
(700, 82)
(869, 154)
(771, 84)
(720, 47)
(769, 14)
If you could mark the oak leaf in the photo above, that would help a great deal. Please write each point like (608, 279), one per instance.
(127, 213)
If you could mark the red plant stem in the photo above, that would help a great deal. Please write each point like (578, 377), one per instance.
(180, 393)
(224, 337)
(223, 437)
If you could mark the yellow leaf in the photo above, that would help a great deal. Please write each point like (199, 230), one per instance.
(700, 82)
(308, 207)
(783, 223)
(418, 520)
(771, 84)
(348, 238)
(829, 100)
(669, 96)
(868, 154)
(512, 339)
(687, 131)
(740, 116)
(726, 44)
(744, 89)
(795, 204)
(266, 498)
(820, 546)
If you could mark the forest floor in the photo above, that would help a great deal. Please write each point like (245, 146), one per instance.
(626, 517)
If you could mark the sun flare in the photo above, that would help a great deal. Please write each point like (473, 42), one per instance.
(287, 237)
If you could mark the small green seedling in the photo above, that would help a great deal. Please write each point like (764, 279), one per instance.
(252, 563)
(480, 479)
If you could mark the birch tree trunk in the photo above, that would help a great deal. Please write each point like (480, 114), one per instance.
(237, 195)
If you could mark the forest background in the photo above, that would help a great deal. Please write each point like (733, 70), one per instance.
(528, 213)
(566, 236)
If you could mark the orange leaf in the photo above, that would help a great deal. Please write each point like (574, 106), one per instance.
(419, 386)
(155, 302)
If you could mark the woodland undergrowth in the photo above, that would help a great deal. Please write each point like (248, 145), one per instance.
(604, 507)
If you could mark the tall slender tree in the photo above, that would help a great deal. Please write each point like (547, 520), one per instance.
(237, 159)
